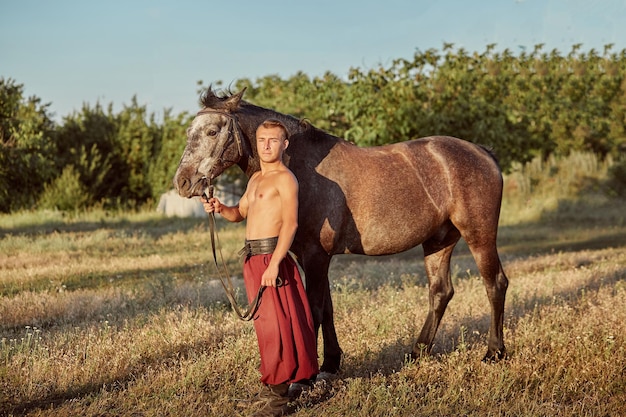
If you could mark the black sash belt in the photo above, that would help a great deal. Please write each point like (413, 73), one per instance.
(258, 247)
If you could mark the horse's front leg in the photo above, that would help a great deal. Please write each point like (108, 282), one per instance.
(315, 264)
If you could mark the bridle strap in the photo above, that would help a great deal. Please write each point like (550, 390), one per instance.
(233, 128)
(224, 275)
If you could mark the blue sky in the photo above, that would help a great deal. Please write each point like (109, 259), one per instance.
(70, 52)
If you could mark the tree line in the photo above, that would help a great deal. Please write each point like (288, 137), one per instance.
(524, 105)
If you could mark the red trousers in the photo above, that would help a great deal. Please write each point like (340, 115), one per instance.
(283, 323)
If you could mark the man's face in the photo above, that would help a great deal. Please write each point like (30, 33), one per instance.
(270, 143)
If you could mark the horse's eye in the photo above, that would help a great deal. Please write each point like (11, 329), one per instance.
(211, 132)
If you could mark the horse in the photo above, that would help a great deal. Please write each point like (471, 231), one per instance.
(376, 200)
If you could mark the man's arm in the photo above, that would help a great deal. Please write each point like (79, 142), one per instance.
(231, 213)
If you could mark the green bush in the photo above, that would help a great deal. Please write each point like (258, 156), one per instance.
(66, 193)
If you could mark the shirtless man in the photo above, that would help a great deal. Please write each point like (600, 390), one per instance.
(283, 324)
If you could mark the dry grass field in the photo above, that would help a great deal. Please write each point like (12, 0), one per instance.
(106, 315)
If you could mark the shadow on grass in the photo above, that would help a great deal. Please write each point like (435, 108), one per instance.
(155, 226)
(148, 292)
(119, 383)
(129, 278)
(571, 226)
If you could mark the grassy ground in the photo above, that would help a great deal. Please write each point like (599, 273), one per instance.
(110, 315)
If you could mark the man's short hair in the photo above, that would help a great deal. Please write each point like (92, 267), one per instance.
(271, 123)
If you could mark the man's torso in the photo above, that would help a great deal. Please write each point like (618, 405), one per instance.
(264, 215)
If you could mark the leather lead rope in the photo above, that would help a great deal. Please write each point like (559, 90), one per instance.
(223, 273)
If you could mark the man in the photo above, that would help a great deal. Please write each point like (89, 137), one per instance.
(283, 324)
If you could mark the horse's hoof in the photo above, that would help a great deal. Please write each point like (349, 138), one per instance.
(420, 350)
(325, 376)
(497, 356)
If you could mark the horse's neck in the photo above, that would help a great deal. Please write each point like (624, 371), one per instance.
(249, 163)
(306, 141)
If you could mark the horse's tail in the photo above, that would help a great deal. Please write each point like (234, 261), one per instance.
(489, 150)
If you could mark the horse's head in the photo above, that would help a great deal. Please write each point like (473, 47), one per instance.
(214, 143)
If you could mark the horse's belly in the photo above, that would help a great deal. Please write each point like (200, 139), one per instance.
(379, 237)
(390, 240)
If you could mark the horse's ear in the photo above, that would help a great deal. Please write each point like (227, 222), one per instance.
(232, 103)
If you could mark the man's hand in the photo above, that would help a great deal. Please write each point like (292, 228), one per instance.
(269, 276)
(211, 205)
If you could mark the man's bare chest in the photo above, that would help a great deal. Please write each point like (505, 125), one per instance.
(262, 191)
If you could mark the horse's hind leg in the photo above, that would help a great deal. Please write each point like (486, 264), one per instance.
(496, 283)
(437, 252)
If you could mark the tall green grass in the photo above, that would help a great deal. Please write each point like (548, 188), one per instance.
(542, 189)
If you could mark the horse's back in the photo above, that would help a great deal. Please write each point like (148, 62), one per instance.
(453, 152)
(440, 164)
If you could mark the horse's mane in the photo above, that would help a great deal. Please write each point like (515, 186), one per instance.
(221, 100)
(213, 99)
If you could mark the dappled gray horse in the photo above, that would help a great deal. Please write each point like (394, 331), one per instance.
(374, 201)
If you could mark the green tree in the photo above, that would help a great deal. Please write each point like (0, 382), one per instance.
(87, 144)
(169, 146)
(27, 147)
(124, 159)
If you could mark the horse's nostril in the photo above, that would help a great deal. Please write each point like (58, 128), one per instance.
(181, 184)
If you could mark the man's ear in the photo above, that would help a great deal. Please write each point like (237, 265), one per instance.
(286, 143)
